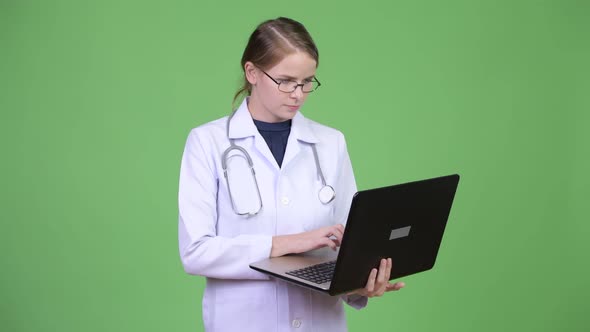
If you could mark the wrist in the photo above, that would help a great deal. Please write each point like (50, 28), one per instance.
(279, 246)
(275, 250)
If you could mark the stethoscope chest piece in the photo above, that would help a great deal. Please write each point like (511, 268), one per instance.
(326, 194)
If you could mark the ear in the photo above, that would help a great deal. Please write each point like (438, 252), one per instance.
(251, 72)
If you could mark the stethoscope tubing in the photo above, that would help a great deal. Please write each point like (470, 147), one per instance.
(326, 194)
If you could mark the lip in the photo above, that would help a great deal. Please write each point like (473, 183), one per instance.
(294, 108)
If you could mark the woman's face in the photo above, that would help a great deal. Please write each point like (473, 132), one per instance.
(266, 102)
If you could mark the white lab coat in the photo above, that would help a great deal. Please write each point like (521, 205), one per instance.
(217, 243)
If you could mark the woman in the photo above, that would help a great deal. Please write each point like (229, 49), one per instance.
(288, 206)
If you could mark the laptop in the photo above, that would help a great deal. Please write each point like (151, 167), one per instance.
(405, 222)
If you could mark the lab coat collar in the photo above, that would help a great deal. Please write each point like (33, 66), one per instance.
(241, 126)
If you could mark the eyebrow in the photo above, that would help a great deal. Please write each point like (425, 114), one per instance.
(287, 77)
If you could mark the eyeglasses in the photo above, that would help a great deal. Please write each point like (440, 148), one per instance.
(290, 86)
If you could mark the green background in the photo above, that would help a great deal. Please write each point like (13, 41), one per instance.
(97, 99)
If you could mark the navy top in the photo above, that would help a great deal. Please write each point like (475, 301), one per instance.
(276, 136)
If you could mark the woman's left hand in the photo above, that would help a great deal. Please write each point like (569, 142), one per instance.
(378, 282)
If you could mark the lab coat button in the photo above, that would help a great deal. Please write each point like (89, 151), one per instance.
(285, 200)
(296, 323)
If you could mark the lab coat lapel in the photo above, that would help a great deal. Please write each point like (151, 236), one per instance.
(301, 134)
(242, 126)
(263, 149)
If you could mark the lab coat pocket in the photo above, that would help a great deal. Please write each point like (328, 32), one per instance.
(234, 305)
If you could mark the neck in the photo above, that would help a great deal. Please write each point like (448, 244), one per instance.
(259, 112)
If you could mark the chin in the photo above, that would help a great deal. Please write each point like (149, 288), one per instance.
(288, 115)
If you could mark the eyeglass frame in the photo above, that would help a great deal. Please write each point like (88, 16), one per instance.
(296, 86)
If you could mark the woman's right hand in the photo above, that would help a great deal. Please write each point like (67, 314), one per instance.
(329, 236)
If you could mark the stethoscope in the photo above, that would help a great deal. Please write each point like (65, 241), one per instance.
(326, 194)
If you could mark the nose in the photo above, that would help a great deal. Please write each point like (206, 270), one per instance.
(297, 93)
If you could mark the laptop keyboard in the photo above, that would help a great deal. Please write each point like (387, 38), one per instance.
(319, 273)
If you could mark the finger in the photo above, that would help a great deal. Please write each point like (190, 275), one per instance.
(321, 243)
(336, 242)
(335, 234)
(334, 231)
(371, 282)
(381, 276)
(395, 287)
(388, 271)
(336, 238)
(381, 282)
(339, 231)
(328, 242)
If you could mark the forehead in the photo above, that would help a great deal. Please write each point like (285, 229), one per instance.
(295, 65)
